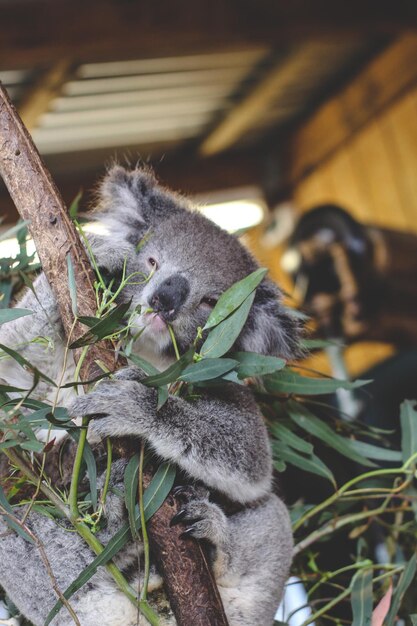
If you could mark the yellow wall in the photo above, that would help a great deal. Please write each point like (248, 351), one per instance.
(373, 174)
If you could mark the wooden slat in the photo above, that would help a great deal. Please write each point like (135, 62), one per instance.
(38, 100)
(41, 31)
(385, 79)
(400, 129)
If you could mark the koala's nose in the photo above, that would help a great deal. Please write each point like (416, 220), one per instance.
(170, 296)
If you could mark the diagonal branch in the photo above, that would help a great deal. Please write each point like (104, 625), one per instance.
(191, 590)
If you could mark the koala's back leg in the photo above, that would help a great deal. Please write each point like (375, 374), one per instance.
(252, 553)
(25, 578)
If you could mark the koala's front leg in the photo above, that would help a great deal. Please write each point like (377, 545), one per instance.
(222, 442)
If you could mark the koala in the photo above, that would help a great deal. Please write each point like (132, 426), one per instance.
(217, 439)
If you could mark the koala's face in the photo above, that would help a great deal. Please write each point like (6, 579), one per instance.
(183, 263)
(189, 263)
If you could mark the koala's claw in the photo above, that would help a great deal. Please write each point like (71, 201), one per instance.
(203, 520)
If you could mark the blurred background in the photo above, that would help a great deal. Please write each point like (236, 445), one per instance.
(261, 111)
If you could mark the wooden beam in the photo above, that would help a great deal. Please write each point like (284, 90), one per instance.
(251, 109)
(383, 80)
(41, 31)
(39, 98)
(183, 173)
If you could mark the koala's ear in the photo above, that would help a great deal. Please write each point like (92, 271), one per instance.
(271, 328)
(133, 199)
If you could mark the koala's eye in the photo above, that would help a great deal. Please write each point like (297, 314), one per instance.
(153, 263)
(209, 302)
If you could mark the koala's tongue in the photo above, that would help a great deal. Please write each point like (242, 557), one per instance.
(157, 323)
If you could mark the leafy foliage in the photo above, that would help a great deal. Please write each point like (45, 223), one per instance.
(314, 442)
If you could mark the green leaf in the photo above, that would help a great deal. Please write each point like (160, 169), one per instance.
(316, 427)
(288, 381)
(149, 369)
(7, 315)
(131, 482)
(413, 619)
(403, 584)
(9, 518)
(207, 369)
(361, 598)
(104, 327)
(317, 344)
(223, 336)
(375, 452)
(310, 463)
(26, 364)
(231, 299)
(288, 437)
(90, 462)
(32, 446)
(253, 364)
(73, 207)
(71, 285)
(154, 496)
(408, 418)
(172, 373)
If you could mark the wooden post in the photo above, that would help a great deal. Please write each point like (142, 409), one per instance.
(192, 591)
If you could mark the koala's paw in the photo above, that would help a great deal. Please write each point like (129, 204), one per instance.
(202, 519)
(119, 405)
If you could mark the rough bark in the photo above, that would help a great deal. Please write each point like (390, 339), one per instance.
(190, 587)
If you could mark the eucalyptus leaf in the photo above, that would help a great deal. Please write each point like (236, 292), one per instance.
(253, 364)
(11, 232)
(408, 418)
(7, 315)
(231, 299)
(222, 337)
(104, 327)
(26, 364)
(316, 427)
(403, 584)
(72, 285)
(288, 437)
(288, 381)
(207, 369)
(172, 373)
(361, 598)
(9, 518)
(310, 463)
(131, 482)
(90, 462)
(375, 452)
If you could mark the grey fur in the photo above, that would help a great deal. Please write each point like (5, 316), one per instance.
(219, 438)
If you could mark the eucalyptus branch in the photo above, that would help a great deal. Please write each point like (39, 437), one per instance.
(145, 539)
(404, 469)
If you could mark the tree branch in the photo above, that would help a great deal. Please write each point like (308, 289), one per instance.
(191, 590)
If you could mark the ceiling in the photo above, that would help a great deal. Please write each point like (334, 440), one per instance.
(204, 93)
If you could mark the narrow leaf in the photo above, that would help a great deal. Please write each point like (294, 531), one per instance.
(288, 437)
(403, 584)
(310, 463)
(288, 381)
(375, 452)
(316, 427)
(104, 327)
(13, 230)
(131, 482)
(73, 207)
(253, 364)
(7, 315)
(223, 336)
(172, 373)
(207, 369)
(72, 285)
(380, 612)
(26, 364)
(408, 417)
(9, 518)
(90, 462)
(361, 598)
(231, 299)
